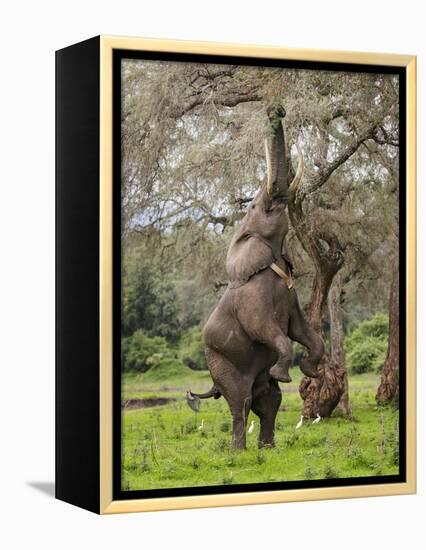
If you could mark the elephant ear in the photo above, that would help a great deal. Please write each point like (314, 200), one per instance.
(247, 255)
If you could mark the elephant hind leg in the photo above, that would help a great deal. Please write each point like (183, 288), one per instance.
(236, 388)
(265, 404)
(300, 331)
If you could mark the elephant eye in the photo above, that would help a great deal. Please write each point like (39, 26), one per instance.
(253, 206)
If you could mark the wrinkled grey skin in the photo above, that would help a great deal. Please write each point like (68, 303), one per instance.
(248, 334)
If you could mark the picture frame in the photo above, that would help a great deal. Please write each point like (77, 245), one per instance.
(88, 276)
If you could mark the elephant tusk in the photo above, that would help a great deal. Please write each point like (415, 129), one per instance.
(268, 168)
(299, 173)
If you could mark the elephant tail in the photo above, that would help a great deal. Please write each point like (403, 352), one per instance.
(193, 399)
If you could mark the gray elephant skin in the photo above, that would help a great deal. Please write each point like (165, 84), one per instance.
(247, 336)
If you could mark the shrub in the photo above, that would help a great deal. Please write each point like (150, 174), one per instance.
(191, 349)
(138, 350)
(150, 302)
(366, 346)
(163, 368)
(368, 355)
(142, 353)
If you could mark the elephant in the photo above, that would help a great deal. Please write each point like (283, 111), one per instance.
(247, 336)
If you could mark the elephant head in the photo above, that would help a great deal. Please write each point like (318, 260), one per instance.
(266, 217)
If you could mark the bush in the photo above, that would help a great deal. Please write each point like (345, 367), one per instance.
(141, 353)
(150, 303)
(366, 346)
(367, 356)
(191, 349)
(164, 368)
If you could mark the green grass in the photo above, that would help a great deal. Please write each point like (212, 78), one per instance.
(163, 447)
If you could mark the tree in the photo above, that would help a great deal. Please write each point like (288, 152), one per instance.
(193, 158)
(150, 303)
(337, 337)
(388, 390)
(321, 241)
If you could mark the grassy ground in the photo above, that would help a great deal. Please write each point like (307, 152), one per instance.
(163, 447)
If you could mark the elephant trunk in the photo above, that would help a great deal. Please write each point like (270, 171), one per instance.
(277, 168)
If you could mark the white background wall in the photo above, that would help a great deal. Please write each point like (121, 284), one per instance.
(30, 32)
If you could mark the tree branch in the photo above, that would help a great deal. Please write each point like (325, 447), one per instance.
(318, 181)
(229, 100)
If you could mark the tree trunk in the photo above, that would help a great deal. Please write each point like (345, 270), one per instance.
(388, 390)
(337, 339)
(320, 395)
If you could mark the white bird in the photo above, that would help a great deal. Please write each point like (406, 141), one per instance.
(300, 423)
(317, 419)
(201, 426)
(251, 427)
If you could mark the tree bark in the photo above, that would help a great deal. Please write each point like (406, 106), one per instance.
(337, 340)
(321, 395)
(388, 390)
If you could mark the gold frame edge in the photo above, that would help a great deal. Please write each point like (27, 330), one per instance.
(107, 505)
(105, 277)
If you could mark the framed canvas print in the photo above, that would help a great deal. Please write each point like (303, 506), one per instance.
(235, 274)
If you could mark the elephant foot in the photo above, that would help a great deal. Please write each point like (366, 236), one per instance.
(238, 445)
(280, 373)
(308, 370)
(266, 445)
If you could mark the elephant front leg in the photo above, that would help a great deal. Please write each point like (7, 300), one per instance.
(277, 340)
(300, 331)
(259, 321)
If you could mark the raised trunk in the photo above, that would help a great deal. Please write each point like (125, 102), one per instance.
(276, 154)
(337, 339)
(388, 390)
